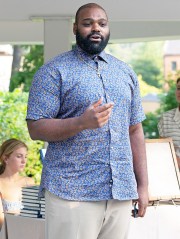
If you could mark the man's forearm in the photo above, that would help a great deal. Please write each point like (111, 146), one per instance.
(139, 155)
(140, 166)
(95, 116)
(54, 129)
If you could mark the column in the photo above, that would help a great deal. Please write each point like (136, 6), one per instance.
(57, 36)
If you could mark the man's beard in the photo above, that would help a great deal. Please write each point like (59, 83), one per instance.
(90, 47)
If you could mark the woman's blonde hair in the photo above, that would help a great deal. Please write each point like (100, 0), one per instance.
(7, 148)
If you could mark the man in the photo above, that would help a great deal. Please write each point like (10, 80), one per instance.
(86, 105)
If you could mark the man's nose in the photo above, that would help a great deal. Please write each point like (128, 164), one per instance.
(95, 27)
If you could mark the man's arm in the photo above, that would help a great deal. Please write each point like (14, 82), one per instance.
(95, 116)
(140, 165)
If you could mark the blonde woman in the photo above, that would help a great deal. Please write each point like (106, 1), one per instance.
(13, 157)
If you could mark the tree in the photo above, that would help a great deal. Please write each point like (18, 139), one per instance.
(168, 99)
(31, 60)
(150, 126)
(146, 89)
(148, 70)
(146, 59)
(13, 106)
(16, 64)
(167, 102)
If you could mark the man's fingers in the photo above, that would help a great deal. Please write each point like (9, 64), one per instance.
(104, 113)
(97, 115)
(97, 103)
(142, 210)
(103, 121)
(105, 107)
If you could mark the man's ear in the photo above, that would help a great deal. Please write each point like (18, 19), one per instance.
(74, 28)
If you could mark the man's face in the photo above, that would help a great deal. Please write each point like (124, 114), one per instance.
(92, 30)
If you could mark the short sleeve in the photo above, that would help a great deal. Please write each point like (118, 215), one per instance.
(137, 112)
(44, 96)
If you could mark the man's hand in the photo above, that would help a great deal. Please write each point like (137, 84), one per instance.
(142, 202)
(96, 115)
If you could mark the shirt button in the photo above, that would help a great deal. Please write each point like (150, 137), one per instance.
(111, 181)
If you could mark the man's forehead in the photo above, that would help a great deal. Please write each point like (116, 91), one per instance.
(92, 13)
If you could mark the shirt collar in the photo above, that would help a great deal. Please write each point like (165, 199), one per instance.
(102, 56)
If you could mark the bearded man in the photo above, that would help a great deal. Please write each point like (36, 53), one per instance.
(86, 104)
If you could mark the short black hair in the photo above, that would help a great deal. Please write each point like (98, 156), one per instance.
(178, 80)
(88, 5)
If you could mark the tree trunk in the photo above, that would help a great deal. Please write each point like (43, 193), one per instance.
(16, 63)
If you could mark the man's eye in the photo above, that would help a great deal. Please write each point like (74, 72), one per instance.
(103, 24)
(86, 24)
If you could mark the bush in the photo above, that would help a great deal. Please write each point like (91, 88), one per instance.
(150, 126)
(167, 102)
(13, 106)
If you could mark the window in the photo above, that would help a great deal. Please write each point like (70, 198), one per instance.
(173, 66)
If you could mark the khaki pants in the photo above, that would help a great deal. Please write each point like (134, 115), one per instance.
(86, 220)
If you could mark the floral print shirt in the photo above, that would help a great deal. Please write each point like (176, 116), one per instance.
(94, 164)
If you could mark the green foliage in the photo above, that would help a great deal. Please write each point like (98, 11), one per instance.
(13, 106)
(168, 99)
(148, 69)
(145, 88)
(31, 61)
(167, 102)
(150, 125)
(146, 59)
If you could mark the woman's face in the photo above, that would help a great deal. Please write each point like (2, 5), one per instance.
(17, 160)
(178, 92)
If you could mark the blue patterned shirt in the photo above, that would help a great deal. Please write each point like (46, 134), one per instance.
(95, 164)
